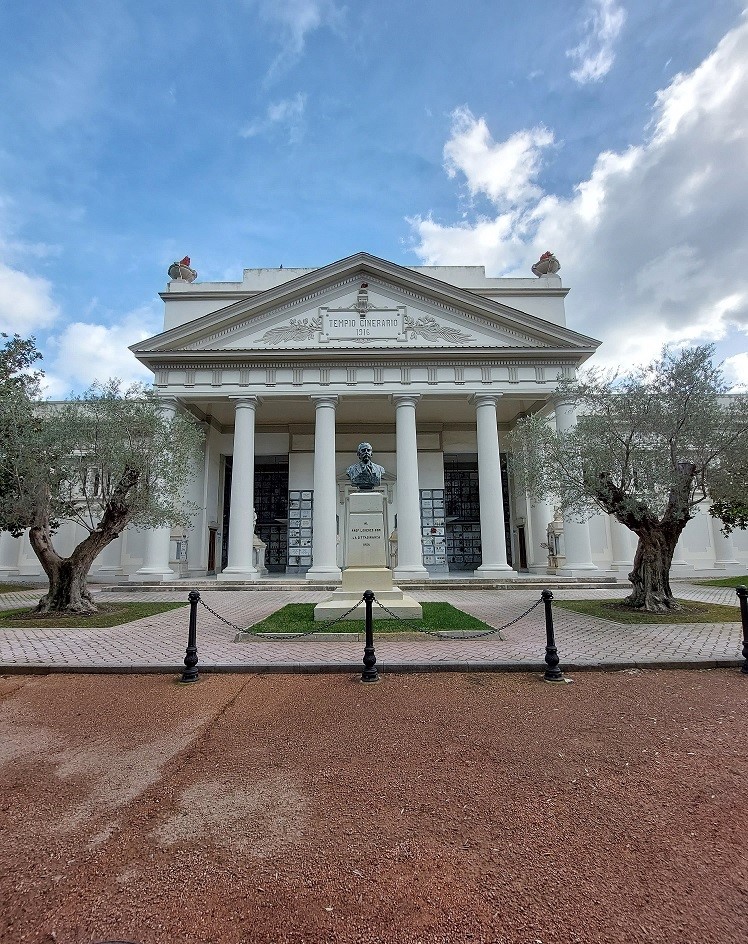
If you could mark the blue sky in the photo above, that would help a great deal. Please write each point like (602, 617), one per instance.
(255, 133)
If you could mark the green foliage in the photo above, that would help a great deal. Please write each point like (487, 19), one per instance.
(19, 388)
(733, 513)
(109, 451)
(648, 445)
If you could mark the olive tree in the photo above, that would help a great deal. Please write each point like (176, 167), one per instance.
(19, 388)
(105, 460)
(648, 447)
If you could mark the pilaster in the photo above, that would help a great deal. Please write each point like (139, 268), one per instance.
(724, 550)
(576, 533)
(10, 548)
(156, 560)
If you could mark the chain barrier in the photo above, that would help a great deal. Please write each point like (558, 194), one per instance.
(248, 631)
(440, 633)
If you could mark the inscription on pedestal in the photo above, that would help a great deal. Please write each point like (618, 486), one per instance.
(366, 537)
(366, 546)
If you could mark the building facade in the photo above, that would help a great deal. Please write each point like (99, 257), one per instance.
(289, 370)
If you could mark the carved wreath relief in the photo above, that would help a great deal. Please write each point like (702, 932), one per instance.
(297, 329)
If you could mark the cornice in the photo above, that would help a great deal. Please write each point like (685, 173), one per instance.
(278, 363)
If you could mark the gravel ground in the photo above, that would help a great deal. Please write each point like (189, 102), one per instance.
(440, 808)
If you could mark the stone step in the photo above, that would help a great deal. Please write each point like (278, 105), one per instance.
(549, 583)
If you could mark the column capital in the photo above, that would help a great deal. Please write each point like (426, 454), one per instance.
(249, 400)
(324, 399)
(479, 398)
(168, 403)
(561, 399)
(412, 398)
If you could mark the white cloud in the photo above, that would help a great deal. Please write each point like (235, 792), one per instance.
(288, 113)
(736, 371)
(26, 302)
(86, 351)
(594, 54)
(654, 242)
(505, 171)
(295, 20)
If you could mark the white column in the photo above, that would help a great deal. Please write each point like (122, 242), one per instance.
(241, 519)
(324, 529)
(540, 517)
(157, 543)
(409, 546)
(679, 563)
(10, 548)
(109, 562)
(576, 534)
(156, 559)
(622, 545)
(724, 550)
(490, 493)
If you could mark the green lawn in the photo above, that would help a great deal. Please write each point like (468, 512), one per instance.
(725, 582)
(299, 618)
(110, 614)
(691, 612)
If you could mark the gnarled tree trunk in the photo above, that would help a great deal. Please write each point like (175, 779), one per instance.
(68, 592)
(658, 537)
(650, 577)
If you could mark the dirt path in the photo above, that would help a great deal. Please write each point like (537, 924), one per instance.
(440, 808)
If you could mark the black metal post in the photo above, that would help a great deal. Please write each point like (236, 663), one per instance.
(370, 660)
(553, 673)
(190, 659)
(742, 593)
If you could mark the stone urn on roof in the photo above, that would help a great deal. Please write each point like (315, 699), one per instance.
(181, 271)
(547, 264)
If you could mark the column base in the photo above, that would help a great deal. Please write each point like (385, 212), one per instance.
(239, 573)
(731, 566)
(147, 574)
(108, 572)
(577, 570)
(324, 573)
(411, 573)
(494, 570)
(621, 565)
(29, 570)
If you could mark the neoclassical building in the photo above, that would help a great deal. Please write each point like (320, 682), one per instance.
(290, 369)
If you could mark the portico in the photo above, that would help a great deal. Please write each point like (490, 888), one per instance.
(290, 369)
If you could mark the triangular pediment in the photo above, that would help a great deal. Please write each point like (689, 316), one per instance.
(364, 303)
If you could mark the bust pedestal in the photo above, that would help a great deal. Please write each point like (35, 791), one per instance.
(365, 556)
